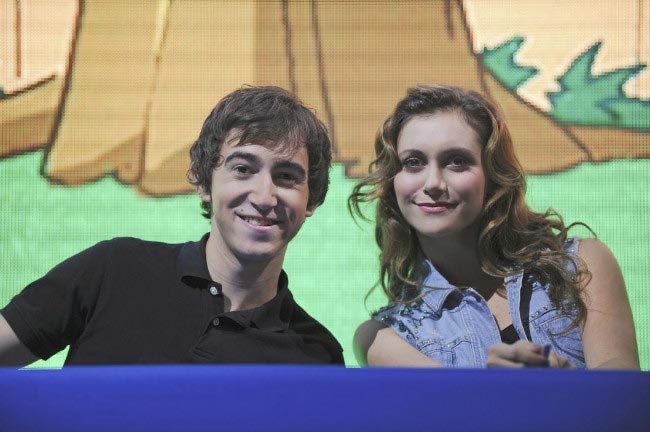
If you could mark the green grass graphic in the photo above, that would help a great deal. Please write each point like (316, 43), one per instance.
(331, 263)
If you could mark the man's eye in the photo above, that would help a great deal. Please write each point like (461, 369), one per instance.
(286, 177)
(242, 170)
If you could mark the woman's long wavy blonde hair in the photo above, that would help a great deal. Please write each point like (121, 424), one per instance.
(512, 237)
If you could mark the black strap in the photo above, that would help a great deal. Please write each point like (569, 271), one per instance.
(526, 294)
(509, 335)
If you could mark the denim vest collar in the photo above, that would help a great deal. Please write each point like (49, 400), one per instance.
(441, 288)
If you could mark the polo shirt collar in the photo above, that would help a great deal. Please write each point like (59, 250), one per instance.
(274, 315)
(192, 264)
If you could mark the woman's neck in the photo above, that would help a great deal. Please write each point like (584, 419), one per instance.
(458, 261)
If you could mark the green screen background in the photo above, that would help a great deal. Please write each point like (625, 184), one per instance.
(332, 263)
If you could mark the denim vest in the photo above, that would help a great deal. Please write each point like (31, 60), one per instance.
(455, 326)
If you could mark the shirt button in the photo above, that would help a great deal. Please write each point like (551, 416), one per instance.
(215, 322)
(214, 290)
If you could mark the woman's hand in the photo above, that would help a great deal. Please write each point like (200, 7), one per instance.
(523, 354)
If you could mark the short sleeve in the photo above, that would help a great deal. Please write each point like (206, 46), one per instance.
(397, 316)
(571, 246)
(51, 312)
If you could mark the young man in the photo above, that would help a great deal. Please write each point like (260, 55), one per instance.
(261, 166)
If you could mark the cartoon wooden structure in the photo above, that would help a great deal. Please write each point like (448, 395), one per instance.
(128, 96)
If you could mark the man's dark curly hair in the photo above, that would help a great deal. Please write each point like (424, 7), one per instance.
(268, 116)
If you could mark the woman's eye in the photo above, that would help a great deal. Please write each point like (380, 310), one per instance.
(458, 161)
(411, 162)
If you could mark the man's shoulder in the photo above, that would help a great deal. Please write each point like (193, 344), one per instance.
(302, 319)
(121, 245)
(311, 329)
(126, 251)
(135, 242)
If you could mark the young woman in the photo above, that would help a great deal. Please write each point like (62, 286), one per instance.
(476, 278)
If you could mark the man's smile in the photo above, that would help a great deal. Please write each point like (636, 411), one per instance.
(258, 221)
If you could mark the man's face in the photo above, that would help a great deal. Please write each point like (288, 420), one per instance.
(259, 199)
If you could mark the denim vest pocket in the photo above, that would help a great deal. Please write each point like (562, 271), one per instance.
(447, 353)
(551, 325)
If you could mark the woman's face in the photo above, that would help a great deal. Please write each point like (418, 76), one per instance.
(440, 188)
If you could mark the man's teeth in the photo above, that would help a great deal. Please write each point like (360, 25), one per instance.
(259, 221)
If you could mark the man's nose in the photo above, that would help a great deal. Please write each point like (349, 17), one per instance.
(264, 193)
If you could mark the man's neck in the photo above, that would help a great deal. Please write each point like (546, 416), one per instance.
(245, 283)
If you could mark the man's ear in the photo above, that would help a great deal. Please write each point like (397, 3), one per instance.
(310, 210)
(205, 196)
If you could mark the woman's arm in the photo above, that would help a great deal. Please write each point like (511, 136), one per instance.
(378, 345)
(608, 333)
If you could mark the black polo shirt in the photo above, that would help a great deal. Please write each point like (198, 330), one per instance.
(130, 301)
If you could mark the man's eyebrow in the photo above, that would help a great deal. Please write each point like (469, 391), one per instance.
(242, 155)
(254, 159)
(285, 164)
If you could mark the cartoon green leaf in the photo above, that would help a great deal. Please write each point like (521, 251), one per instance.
(589, 99)
(633, 114)
(500, 61)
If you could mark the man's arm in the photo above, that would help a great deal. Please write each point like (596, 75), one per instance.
(12, 350)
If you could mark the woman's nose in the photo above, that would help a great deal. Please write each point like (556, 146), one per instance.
(435, 181)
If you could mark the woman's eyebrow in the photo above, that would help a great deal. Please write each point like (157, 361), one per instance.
(410, 152)
(457, 150)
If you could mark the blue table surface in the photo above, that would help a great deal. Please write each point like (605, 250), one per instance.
(313, 398)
